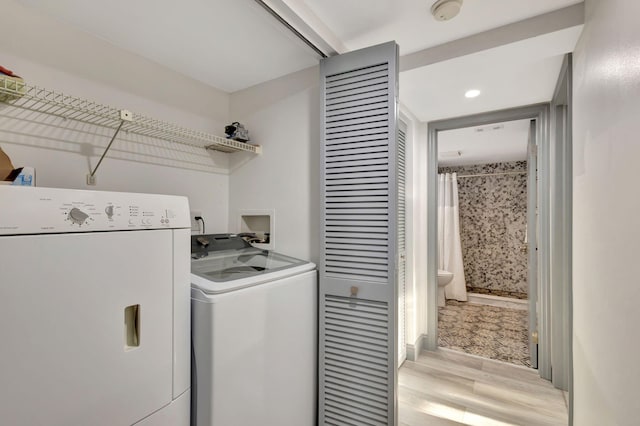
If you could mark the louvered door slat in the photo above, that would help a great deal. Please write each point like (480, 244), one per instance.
(330, 183)
(370, 102)
(350, 260)
(337, 221)
(379, 114)
(355, 112)
(346, 409)
(360, 76)
(359, 226)
(351, 126)
(341, 157)
(345, 178)
(359, 237)
(355, 383)
(356, 142)
(358, 249)
(351, 151)
(334, 210)
(357, 191)
(358, 298)
(340, 136)
(359, 400)
(357, 91)
(356, 164)
(347, 334)
(372, 255)
(363, 98)
(379, 378)
(358, 72)
(358, 333)
(402, 291)
(342, 216)
(351, 263)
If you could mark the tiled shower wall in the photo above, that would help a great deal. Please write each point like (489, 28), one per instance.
(493, 217)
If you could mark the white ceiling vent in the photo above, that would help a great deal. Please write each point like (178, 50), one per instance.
(444, 10)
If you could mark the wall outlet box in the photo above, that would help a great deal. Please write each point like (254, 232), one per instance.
(259, 222)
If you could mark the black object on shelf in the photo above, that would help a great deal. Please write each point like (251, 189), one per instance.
(237, 131)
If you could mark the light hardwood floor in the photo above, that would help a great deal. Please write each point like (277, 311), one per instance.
(452, 388)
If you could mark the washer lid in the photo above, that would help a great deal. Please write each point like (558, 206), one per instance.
(229, 270)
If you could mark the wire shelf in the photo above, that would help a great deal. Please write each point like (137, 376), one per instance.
(45, 101)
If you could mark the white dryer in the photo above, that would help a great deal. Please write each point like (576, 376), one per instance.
(254, 320)
(94, 308)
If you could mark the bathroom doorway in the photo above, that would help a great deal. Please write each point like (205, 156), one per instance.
(483, 240)
(537, 285)
(552, 213)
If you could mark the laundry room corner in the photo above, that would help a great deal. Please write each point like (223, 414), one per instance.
(282, 115)
(50, 55)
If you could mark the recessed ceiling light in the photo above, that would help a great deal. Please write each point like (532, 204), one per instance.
(472, 93)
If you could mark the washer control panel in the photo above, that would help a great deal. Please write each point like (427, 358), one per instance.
(48, 210)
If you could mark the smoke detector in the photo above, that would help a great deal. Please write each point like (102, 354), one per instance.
(444, 10)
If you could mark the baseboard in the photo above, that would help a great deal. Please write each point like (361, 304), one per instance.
(503, 302)
(413, 350)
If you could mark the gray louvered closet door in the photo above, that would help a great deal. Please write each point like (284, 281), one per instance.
(358, 272)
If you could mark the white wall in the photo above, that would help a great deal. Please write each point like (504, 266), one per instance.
(52, 55)
(606, 223)
(420, 226)
(283, 116)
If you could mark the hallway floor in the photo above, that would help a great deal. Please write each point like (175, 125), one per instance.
(488, 331)
(452, 388)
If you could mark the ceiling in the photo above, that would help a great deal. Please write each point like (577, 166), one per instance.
(496, 143)
(228, 44)
(235, 44)
(411, 25)
(516, 74)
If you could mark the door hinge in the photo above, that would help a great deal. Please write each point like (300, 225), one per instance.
(534, 337)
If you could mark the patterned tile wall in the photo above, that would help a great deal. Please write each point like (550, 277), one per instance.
(493, 217)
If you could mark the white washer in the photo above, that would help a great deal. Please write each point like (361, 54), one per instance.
(254, 319)
(94, 308)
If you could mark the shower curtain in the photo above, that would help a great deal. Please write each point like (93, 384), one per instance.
(449, 246)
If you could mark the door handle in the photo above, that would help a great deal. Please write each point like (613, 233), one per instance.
(131, 327)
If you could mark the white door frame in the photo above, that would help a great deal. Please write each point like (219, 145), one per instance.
(562, 233)
(540, 113)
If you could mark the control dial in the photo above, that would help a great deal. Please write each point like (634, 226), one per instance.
(77, 216)
(109, 211)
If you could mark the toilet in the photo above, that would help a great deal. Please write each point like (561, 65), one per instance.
(444, 278)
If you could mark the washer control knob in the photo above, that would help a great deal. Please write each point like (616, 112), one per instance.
(109, 211)
(77, 216)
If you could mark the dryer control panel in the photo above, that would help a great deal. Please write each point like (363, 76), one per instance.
(28, 210)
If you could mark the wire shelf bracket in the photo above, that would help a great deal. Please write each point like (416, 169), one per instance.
(124, 117)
